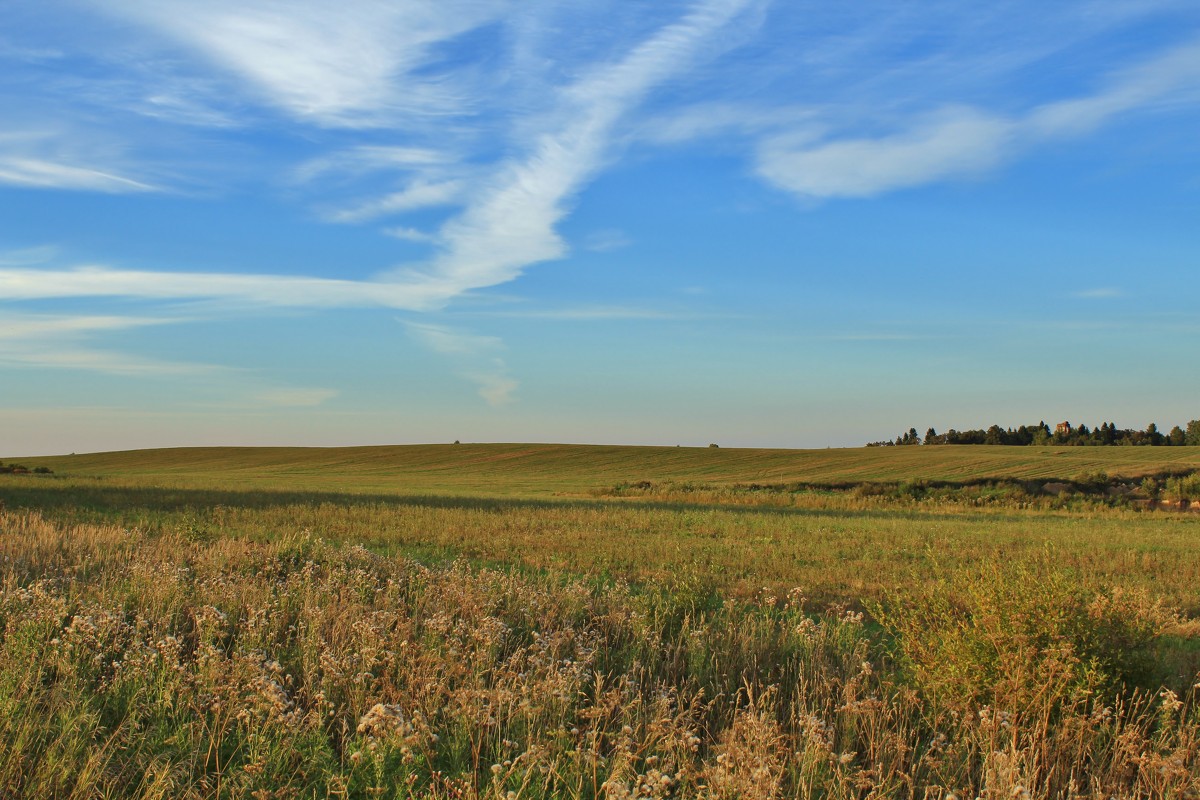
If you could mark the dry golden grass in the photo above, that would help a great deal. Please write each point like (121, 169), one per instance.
(191, 664)
(840, 548)
(488, 622)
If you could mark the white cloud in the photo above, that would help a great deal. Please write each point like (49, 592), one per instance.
(264, 290)
(474, 358)
(21, 326)
(420, 194)
(496, 388)
(182, 104)
(350, 65)
(27, 256)
(719, 118)
(53, 159)
(43, 341)
(960, 142)
(81, 358)
(952, 143)
(510, 222)
(410, 234)
(49, 341)
(41, 174)
(346, 64)
(1171, 78)
(452, 342)
(372, 158)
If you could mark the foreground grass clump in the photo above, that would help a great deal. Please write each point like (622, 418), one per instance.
(151, 665)
(1026, 636)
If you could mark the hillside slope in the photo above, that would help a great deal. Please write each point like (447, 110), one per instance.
(550, 468)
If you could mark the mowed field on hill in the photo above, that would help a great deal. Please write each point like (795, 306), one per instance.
(548, 469)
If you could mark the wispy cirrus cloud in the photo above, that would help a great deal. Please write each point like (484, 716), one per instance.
(53, 160)
(60, 342)
(365, 159)
(511, 209)
(475, 127)
(263, 290)
(28, 256)
(510, 223)
(475, 358)
(349, 66)
(419, 194)
(36, 326)
(956, 142)
(105, 361)
(41, 174)
(54, 341)
(951, 143)
(406, 234)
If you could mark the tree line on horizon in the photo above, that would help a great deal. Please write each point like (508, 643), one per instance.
(1104, 434)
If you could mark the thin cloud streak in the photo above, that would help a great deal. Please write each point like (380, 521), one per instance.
(40, 174)
(266, 290)
(369, 159)
(420, 194)
(49, 341)
(410, 235)
(90, 360)
(512, 224)
(28, 256)
(55, 159)
(43, 341)
(39, 326)
(475, 359)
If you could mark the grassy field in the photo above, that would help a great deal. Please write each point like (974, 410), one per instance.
(546, 469)
(499, 621)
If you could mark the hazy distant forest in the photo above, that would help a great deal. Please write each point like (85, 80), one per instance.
(1105, 434)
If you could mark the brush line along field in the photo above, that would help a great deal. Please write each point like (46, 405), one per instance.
(537, 621)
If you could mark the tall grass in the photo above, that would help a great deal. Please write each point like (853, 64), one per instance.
(848, 550)
(139, 663)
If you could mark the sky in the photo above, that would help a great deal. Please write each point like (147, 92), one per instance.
(752, 223)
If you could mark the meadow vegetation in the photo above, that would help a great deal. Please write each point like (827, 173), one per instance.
(182, 633)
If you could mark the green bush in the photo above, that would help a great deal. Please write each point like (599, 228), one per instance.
(1185, 487)
(1023, 638)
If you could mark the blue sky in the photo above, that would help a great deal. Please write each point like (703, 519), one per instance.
(754, 223)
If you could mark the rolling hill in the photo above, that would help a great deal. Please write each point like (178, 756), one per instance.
(562, 468)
